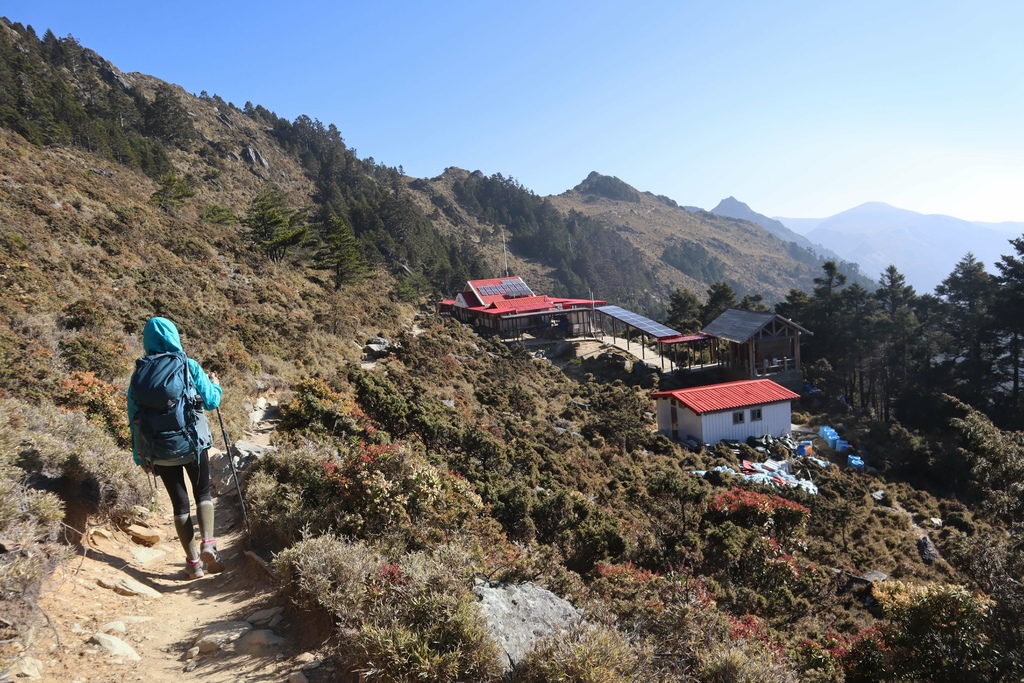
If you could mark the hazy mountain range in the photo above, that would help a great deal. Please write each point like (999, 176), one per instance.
(734, 208)
(925, 248)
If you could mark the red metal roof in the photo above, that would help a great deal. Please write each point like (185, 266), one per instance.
(729, 396)
(684, 338)
(526, 303)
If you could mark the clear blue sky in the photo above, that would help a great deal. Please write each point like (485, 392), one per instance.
(800, 109)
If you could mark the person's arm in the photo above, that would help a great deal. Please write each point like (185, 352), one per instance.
(209, 391)
(131, 424)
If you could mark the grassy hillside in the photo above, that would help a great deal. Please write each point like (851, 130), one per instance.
(457, 457)
(625, 245)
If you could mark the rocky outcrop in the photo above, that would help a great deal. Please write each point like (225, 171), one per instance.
(255, 157)
(518, 615)
(925, 548)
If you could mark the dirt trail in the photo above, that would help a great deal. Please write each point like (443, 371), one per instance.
(163, 629)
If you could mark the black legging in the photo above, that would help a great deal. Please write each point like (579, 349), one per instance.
(173, 477)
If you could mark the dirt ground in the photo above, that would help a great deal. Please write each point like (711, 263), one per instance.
(163, 629)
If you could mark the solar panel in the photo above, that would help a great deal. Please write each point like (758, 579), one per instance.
(645, 325)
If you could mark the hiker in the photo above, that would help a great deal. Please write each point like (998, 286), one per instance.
(171, 435)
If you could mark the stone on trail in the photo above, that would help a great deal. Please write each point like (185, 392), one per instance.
(26, 667)
(114, 627)
(143, 534)
(127, 586)
(115, 647)
(264, 615)
(144, 556)
(256, 642)
(297, 677)
(215, 636)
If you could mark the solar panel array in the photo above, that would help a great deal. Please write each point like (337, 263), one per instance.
(646, 325)
(512, 288)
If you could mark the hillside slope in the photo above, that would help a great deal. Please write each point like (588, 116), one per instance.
(651, 244)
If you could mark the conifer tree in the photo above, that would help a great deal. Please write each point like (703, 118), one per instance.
(340, 251)
(684, 311)
(721, 297)
(172, 193)
(272, 226)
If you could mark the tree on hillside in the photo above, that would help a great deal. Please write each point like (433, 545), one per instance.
(721, 297)
(273, 227)
(1010, 300)
(753, 302)
(684, 311)
(968, 295)
(166, 118)
(794, 306)
(339, 251)
(172, 193)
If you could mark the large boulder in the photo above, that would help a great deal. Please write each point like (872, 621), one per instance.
(518, 615)
(927, 550)
(565, 350)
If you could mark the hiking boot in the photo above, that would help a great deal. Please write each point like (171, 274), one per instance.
(208, 554)
(193, 569)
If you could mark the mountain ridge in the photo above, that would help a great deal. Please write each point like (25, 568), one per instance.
(925, 247)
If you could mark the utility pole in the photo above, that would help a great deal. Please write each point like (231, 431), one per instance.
(503, 250)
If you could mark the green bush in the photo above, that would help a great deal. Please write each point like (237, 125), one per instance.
(414, 616)
(586, 653)
(47, 441)
(358, 488)
(87, 352)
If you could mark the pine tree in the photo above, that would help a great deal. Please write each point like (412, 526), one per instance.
(684, 311)
(272, 226)
(721, 297)
(968, 295)
(172, 193)
(340, 251)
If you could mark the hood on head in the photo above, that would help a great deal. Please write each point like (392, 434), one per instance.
(160, 336)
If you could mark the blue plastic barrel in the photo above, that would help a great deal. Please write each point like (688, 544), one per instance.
(855, 462)
(842, 445)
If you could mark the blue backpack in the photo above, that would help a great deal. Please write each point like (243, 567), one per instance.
(168, 421)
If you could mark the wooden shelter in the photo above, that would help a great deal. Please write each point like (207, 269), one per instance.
(759, 344)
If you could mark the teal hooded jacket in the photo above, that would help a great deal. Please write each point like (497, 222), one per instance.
(161, 336)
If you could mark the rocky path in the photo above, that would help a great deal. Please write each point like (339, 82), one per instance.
(125, 611)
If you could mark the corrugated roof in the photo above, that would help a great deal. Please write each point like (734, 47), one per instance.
(739, 326)
(524, 303)
(730, 396)
(685, 338)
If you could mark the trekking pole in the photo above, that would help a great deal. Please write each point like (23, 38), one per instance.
(234, 475)
(152, 489)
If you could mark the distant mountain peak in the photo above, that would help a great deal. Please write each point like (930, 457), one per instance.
(608, 187)
(730, 203)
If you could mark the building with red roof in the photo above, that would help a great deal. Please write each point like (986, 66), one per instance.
(734, 410)
(508, 307)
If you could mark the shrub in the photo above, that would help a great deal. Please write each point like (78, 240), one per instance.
(87, 352)
(320, 408)
(414, 616)
(60, 444)
(361, 489)
(936, 632)
(102, 402)
(587, 653)
(81, 314)
(221, 215)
